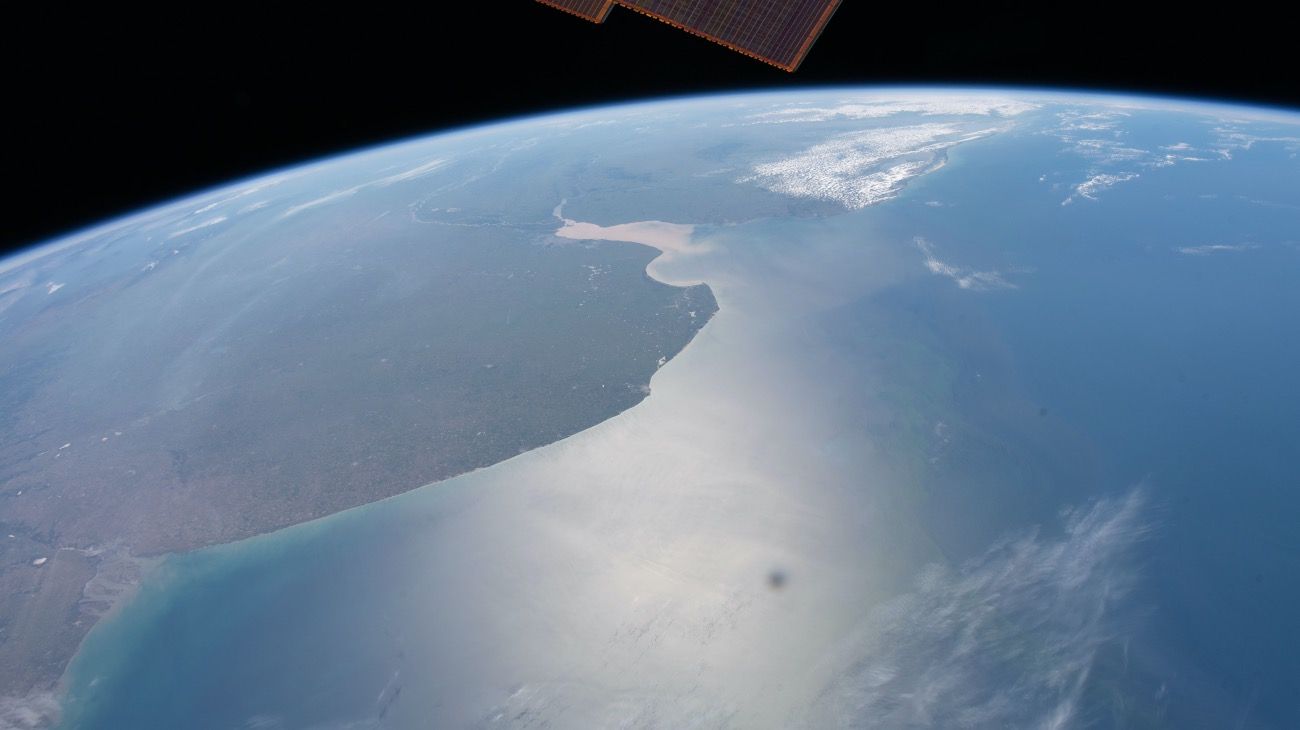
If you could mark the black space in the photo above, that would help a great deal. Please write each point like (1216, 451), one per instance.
(109, 112)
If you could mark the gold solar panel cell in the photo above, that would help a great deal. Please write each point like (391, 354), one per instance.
(593, 10)
(779, 32)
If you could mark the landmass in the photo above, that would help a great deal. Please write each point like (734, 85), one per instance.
(220, 392)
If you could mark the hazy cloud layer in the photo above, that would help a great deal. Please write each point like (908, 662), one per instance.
(36, 710)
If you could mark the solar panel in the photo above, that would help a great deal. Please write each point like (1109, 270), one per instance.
(593, 10)
(778, 32)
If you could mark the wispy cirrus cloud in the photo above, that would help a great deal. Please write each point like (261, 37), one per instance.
(1233, 137)
(964, 278)
(197, 226)
(1213, 248)
(322, 200)
(1007, 640)
(411, 174)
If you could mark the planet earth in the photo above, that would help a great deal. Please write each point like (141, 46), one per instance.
(851, 407)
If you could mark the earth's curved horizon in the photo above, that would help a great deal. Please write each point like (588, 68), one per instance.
(1147, 99)
(934, 407)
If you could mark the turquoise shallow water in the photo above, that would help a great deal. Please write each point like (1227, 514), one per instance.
(270, 609)
(1089, 447)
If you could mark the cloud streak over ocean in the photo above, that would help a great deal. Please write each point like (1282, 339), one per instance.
(1007, 640)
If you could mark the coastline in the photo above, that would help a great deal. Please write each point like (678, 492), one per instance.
(95, 584)
(119, 579)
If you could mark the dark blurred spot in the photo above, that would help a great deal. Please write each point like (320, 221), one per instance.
(1042, 411)
(776, 580)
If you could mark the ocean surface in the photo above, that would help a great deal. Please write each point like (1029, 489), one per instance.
(970, 452)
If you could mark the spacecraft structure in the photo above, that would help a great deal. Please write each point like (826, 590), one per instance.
(777, 32)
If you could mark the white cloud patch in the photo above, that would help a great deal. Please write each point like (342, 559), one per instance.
(322, 200)
(1091, 121)
(1233, 137)
(1213, 248)
(1093, 186)
(858, 169)
(943, 106)
(197, 226)
(964, 278)
(1007, 640)
(227, 197)
(411, 174)
(1099, 137)
(1108, 150)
